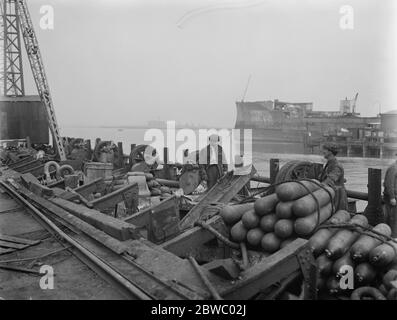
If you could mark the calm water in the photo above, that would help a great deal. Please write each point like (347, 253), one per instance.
(356, 169)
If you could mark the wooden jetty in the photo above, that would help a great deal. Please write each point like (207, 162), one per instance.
(147, 254)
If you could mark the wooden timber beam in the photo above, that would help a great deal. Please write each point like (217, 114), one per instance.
(142, 218)
(94, 233)
(97, 185)
(128, 194)
(114, 227)
(262, 275)
(223, 192)
(36, 171)
(27, 165)
(21, 162)
(187, 242)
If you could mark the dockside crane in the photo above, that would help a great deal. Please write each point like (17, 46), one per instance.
(16, 20)
(354, 104)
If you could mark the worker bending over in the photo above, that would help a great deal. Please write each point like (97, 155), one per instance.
(212, 162)
(390, 194)
(333, 175)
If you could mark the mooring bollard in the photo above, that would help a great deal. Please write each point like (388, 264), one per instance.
(317, 169)
(166, 167)
(89, 150)
(28, 143)
(274, 168)
(97, 140)
(120, 154)
(373, 211)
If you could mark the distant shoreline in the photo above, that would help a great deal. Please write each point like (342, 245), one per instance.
(143, 127)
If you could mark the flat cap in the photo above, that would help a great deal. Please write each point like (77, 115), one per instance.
(330, 146)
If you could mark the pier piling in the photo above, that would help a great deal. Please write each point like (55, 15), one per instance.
(120, 154)
(274, 168)
(166, 167)
(89, 150)
(373, 211)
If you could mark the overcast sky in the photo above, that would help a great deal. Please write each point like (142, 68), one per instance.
(125, 62)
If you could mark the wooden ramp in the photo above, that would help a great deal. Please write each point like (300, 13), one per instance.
(223, 192)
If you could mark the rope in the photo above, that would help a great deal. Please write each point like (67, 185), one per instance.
(204, 279)
(362, 230)
(300, 182)
(325, 189)
(218, 235)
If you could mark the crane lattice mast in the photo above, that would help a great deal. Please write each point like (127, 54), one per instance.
(12, 84)
(16, 18)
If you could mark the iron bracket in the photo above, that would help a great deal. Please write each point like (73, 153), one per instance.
(309, 271)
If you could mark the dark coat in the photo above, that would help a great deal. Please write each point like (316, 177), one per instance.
(333, 175)
(390, 182)
(204, 161)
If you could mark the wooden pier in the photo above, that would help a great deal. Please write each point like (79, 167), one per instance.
(127, 247)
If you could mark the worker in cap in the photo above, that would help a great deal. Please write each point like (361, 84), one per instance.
(333, 175)
(390, 195)
(212, 162)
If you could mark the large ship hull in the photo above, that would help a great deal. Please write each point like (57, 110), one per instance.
(298, 129)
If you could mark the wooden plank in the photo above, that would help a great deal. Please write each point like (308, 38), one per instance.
(27, 166)
(139, 219)
(167, 269)
(114, 227)
(94, 233)
(183, 244)
(110, 200)
(19, 269)
(36, 171)
(21, 162)
(97, 185)
(142, 218)
(164, 223)
(18, 240)
(40, 190)
(224, 191)
(265, 273)
(57, 184)
(28, 178)
(63, 194)
(13, 245)
(4, 251)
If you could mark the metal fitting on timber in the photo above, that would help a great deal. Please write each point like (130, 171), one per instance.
(47, 167)
(205, 280)
(244, 255)
(219, 236)
(65, 170)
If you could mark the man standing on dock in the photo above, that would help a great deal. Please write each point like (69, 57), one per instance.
(334, 176)
(212, 162)
(390, 194)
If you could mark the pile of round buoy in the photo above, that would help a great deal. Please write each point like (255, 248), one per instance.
(274, 221)
(348, 247)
